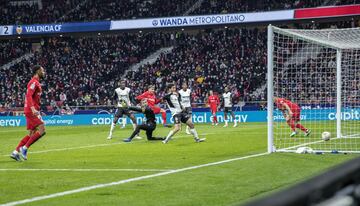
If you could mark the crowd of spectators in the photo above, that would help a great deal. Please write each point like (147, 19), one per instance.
(80, 71)
(12, 49)
(12, 12)
(94, 10)
(85, 70)
(209, 61)
(50, 11)
(233, 6)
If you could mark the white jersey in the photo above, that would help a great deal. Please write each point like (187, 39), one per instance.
(123, 95)
(185, 98)
(227, 99)
(173, 103)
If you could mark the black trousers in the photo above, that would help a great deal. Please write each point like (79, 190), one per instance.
(149, 128)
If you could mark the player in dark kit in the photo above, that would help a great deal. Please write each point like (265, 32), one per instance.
(34, 122)
(150, 124)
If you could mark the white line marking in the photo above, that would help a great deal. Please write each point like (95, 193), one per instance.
(87, 170)
(300, 145)
(83, 189)
(95, 145)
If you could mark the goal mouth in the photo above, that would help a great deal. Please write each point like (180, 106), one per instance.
(318, 71)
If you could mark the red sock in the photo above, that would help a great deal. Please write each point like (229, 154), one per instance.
(33, 139)
(301, 127)
(22, 142)
(292, 124)
(215, 118)
(163, 115)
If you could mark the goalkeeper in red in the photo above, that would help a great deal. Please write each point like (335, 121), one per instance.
(151, 101)
(34, 122)
(291, 112)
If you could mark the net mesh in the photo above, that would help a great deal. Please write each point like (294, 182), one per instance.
(304, 67)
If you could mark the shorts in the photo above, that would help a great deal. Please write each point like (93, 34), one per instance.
(188, 110)
(121, 111)
(296, 114)
(213, 109)
(181, 117)
(33, 121)
(228, 109)
(156, 109)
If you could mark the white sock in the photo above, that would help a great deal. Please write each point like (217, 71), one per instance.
(112, 129)
(15, 152)
(194, 133)
(235, 121)
(187, 129)
(171, 133)
(124, 121)
(226, 122)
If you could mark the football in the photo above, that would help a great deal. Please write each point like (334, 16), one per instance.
(326, 136)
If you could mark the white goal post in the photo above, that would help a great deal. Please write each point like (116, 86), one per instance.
(319, 70)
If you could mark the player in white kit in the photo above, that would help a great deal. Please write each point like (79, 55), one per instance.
(227, 100)
(122, 95)
(185, 94)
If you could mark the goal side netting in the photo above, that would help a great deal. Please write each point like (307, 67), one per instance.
(319, 70)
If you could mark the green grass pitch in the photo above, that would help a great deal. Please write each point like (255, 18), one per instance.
(57, 162)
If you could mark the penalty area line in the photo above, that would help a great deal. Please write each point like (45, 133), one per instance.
(93, 187)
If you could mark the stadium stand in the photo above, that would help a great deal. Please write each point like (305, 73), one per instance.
(12, 49)
(84, 71)
(12, 12)
(90, 67)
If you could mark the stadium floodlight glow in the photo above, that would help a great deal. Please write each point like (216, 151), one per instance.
(320, 71)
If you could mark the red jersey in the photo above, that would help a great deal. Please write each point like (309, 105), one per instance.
(281, 101)
(150, 96)
(33, 94)
(213, 101)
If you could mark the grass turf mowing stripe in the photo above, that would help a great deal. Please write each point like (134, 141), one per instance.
(88, 170)
(83, 189)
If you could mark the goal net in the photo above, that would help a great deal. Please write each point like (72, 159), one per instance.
(319, 70)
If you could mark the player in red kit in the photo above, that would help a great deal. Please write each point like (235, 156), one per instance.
(151, 101)
(34, 123)
(291, 112)
(214, 102)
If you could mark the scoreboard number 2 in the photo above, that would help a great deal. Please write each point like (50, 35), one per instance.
(6, 30)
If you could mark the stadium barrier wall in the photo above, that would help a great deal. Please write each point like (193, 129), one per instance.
(197, 117)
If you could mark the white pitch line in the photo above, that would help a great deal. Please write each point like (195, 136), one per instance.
(300, 145)
(95, 145)
(87, 170)
(93, 187)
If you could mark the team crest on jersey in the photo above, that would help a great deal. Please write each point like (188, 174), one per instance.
(19, 29)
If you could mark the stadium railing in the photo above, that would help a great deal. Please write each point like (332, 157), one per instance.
(339, 186)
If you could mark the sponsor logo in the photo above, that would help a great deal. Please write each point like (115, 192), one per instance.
(10, 122)
(155, 22)
(200, 20)
(19, 29)
(347, 115)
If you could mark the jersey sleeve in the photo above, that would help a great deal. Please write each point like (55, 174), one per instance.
(29, 94)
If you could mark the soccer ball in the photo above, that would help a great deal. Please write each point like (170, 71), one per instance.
(326, 136)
